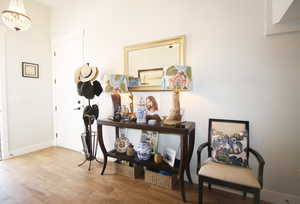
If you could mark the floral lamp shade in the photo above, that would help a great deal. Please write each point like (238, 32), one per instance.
(178, 77)
(116, 83)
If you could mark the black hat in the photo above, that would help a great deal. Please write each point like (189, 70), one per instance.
(97, 88)
(79, 88)
(95, 111)
(90, 113)
(87, 90)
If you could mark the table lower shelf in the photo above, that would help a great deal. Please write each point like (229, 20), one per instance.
(148, 163)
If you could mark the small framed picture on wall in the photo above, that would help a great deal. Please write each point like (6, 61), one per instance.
(30, 70)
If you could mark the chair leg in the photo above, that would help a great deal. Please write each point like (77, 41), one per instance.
(209, 186)
(257, 197)
(200, 191)
(244, 195)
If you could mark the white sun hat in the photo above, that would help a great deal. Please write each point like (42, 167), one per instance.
(86, 73)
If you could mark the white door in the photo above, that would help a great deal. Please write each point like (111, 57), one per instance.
(3, 109)
(67, 121)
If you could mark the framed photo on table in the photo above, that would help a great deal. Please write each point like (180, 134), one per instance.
(169, 156)
(30, 70)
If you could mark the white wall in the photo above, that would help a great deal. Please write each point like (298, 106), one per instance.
(29, 100)
(238, 72)
(3, 112)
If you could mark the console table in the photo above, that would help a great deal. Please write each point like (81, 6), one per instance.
(186, 131)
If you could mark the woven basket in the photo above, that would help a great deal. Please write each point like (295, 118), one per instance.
(160, 179)
(131, 172)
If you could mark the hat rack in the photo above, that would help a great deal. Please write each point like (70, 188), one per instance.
(89, 91)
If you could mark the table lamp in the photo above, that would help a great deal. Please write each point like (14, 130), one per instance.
(116, 84)
(177, 78)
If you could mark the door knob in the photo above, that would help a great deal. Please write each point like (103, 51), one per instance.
(78, 108)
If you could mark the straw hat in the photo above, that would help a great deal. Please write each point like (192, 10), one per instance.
(86, 73)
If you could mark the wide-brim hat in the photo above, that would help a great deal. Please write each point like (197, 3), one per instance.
(90, 114)
(86, 73)
(97, 88)
(87, 90)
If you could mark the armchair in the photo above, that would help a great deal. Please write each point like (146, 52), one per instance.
(232, 176)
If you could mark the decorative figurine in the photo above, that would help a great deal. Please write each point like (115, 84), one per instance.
(121, 144)
(158, 158)
(130, 150)
(141, 111)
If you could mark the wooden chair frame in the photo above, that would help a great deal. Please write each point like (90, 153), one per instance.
(210, 181)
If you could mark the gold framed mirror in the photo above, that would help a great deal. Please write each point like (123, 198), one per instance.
(147, 62)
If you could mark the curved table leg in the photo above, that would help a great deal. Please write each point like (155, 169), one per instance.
(104, 165)
(190, 153)
(102, 146)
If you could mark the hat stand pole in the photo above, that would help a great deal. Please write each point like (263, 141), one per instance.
(91, 143)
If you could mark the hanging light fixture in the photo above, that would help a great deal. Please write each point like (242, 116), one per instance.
(15, 16)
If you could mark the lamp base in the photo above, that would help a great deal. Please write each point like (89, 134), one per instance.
(171, 122)
(174, 117)
(116, 99)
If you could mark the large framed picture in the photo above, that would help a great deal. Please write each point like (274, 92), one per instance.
(30, 70)
(151, 77)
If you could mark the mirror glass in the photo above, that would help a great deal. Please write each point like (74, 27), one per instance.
(146, 63)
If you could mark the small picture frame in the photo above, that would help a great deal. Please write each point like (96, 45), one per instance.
(30, 70)
(169, 156)
(152, 105)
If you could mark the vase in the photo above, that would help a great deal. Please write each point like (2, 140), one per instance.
(143, 151)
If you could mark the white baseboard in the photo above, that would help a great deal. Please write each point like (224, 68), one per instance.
(273, 197)
(279, 198)
(30, 148)
(70, 147)
(99, 153)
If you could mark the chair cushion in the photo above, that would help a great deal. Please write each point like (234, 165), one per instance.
(229, 173)
(229, 142)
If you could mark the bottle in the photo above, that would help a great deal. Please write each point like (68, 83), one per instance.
(141, 111)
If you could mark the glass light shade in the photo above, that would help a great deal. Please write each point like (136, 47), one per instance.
(15, 16)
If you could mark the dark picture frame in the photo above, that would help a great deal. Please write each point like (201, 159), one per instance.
(30, 70)
(210, 126)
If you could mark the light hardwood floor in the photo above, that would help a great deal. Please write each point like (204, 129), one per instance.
(52, 176)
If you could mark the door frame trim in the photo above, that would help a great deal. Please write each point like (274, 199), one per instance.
(3, 98)
(56, 42)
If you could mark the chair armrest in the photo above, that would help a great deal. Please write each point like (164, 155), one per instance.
(199, 151)
(261, 163)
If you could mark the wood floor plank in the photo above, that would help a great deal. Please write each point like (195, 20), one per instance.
(51, 176)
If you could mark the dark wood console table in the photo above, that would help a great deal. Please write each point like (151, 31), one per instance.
(187, 139)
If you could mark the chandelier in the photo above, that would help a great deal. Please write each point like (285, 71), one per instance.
(15, 16)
